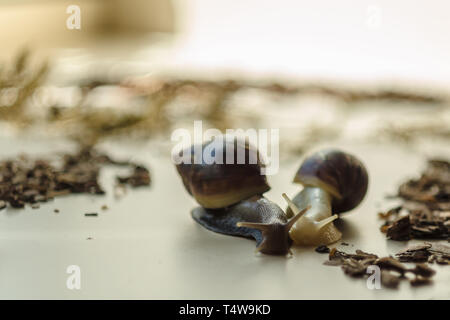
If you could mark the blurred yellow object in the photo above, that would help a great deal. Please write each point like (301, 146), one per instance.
(43, 23)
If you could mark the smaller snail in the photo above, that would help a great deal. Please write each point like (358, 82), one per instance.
(231, 194)
(334, 182)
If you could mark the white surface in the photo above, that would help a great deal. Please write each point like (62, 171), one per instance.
(147, 246)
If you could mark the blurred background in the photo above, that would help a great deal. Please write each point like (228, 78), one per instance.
(359, 40)
(358, 71)
(251, 57)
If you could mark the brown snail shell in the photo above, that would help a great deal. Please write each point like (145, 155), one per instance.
(219, 185)
(340, 173)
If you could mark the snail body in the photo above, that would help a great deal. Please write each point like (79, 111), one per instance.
(256, 218)
(334, 182)
(231, 195)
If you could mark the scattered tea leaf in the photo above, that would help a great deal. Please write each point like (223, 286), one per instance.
(23, 180)
(93, 214)
(392, 270)
(425, 212)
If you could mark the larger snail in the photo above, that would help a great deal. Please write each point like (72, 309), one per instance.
(229, 186)
(334, 182)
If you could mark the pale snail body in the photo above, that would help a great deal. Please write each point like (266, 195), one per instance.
(310, 231)
(334, 182)
(231, 197)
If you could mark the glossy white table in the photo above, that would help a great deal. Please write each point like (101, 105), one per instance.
(146, 246)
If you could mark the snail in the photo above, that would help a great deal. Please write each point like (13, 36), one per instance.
(231, 194)
(334, 182)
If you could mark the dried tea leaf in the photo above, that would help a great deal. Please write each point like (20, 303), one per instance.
(360, 255)
(93, 214)
(423, 270)
(322, 249)
(355, 265)
(440, 248)
(354, 268)
(414, 256)
(31, 181)
(139, 177)
(400, 229)
(417, 247)
(442, 260)
(426, 205)
(333, 263)
(420, 281)
(426, 252)
(389, 263)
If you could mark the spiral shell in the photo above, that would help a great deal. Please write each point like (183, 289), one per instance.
(222, 172)
(341, 174)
